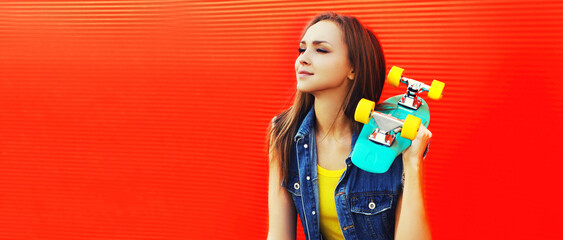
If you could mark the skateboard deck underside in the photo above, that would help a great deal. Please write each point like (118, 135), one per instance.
(376, 158)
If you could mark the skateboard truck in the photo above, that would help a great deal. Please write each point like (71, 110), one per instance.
(411, 99)
(387, 125)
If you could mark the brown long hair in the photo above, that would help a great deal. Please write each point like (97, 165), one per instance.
(367, 60)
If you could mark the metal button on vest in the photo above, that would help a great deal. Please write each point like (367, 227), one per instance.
(305, 146)
(314, 213)
(371, 205)
(308, 178)
(296, 186)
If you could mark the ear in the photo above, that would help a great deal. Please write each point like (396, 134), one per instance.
(351, 75)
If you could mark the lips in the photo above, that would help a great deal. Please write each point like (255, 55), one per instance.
(304, 73)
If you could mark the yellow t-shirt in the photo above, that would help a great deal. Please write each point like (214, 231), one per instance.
(328, 179)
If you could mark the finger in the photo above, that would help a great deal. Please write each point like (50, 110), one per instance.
(425, 131)
(423, 136)
(422, 132)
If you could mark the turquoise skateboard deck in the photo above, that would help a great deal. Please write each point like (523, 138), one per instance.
(377, 158)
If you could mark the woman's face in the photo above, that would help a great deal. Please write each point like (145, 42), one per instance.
(323, 63)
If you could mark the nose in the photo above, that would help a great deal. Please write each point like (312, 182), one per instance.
(303, 58)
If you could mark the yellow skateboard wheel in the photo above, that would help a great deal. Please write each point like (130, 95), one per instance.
(410, 127)
(363, 111)
(435, 92)
(394, 76)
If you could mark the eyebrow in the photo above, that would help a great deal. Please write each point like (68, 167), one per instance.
(315, 42)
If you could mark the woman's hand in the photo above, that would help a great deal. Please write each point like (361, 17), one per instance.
(411, 220)
(412, 156)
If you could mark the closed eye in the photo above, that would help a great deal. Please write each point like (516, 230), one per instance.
(301, 50)
(322, 50)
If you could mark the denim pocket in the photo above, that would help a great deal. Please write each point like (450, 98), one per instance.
(372, 214)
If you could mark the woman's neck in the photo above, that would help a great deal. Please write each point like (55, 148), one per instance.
(330, 119)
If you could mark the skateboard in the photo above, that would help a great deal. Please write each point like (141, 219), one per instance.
(388, 132)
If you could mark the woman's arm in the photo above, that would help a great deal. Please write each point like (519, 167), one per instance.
(281, 211)
(411, 221)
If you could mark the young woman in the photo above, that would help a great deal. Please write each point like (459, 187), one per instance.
(311, 175)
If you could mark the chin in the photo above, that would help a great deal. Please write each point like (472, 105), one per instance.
(302, 87)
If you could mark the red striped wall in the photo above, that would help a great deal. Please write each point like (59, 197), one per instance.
(146, 119)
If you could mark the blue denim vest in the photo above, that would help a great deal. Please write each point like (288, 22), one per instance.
(365, 202)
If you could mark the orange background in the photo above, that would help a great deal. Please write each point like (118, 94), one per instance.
(147, 119)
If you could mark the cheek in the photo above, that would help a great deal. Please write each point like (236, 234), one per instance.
(337, 68)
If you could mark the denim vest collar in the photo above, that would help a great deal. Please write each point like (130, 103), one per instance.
(306, 125)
